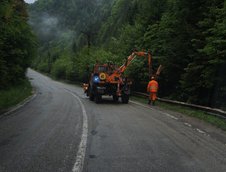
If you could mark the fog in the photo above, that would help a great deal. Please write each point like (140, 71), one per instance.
(66, 21)
(49, 28)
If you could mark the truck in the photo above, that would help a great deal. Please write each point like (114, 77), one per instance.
(108, 79)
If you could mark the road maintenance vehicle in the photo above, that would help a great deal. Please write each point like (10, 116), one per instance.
(108, 79)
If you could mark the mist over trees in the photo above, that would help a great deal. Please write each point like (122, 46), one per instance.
(188, 37)
(17, 43)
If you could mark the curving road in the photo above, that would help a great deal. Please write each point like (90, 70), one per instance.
(61, 130)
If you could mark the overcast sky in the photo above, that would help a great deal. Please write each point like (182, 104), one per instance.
(29, 1)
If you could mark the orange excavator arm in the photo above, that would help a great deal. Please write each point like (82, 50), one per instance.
(118, 72)
(132, 57)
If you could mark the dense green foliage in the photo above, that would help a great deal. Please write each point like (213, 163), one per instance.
(17, 45)
(186, 36)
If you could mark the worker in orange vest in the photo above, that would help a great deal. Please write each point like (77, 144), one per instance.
(152, 88)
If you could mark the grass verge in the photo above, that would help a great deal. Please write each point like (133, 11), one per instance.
(14, 95)
(216, 121)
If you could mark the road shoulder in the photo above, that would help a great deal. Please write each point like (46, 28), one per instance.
(19, 105)
(199, 125)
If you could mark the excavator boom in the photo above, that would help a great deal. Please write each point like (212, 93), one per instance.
(118, 72)
(132, 57)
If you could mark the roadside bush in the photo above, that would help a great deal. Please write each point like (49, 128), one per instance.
(59, 68)
(13, 95)
(43, 67)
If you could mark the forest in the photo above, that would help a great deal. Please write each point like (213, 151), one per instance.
(17, 43)
(188, 37)
(18, 47)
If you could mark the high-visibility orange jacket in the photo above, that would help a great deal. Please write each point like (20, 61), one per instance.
(152, 86)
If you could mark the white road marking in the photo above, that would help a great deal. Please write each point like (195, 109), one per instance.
(187, 124)
(200, 131)
(140, 104)
(78, 166)
(171, 116)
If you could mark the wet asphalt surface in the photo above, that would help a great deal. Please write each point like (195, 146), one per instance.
(44, 135)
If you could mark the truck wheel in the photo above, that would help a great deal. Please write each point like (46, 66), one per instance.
(115, 98)
(125, 98)
(91, 96)
(97, 98)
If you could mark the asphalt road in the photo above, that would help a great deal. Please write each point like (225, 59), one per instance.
(61, 130)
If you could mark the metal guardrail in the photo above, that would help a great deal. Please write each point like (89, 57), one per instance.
(212, 111)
